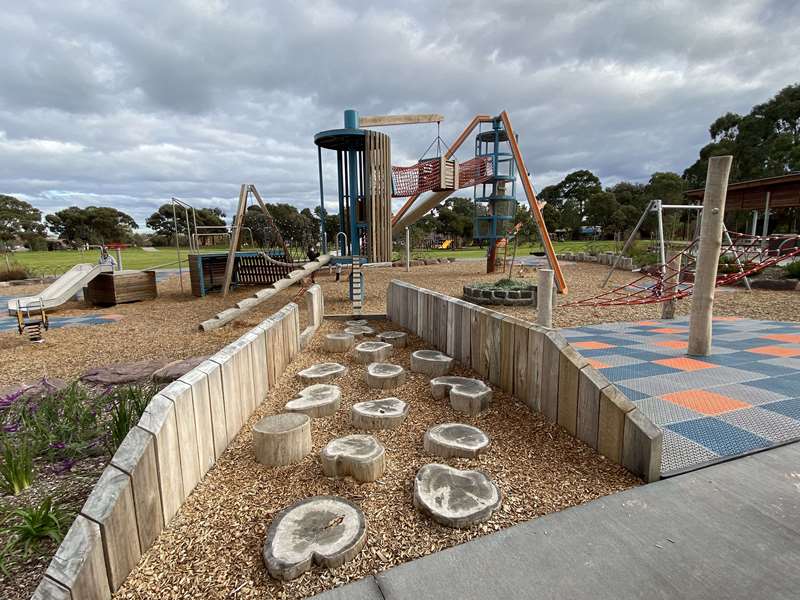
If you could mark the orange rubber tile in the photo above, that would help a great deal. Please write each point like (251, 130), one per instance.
(673, 344)
(670, 330)
(791, 338)
(592, 345)
(705, 402)
(648, 323)
(684, 364)
(726, 318)
(776, 351)
(593, 362)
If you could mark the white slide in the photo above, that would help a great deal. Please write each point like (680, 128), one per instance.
(422, 206)
(62, 289)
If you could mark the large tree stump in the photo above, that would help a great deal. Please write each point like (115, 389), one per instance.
(398, 339)
(369, 352)
(431, 363)
(326, 530)
(338, 342)
(386, 413)
(470, 396)
(455, 440)
(282, 439)
(357, 323)
(359, 331)
(318, 400)
(455, 498)
(322, 373)
(358, 455)
(385, 376)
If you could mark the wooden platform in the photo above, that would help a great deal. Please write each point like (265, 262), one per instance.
(207, 271)
(120, 287)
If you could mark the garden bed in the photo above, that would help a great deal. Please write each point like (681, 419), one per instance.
(213, 546)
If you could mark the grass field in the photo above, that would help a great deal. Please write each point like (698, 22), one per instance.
(59, 261)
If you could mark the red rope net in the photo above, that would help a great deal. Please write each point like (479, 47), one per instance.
(426, 175)
(745, 255)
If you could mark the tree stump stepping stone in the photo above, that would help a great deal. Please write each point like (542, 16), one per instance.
(368, 352)
(360, 331)
(326, 530)
(384, 375)
(386, 413)
(282, 439)
(457, 440)
(338, 342)
(358, 455)
(322, 372)
(470, 396)
(398, 339)
(356, 322)
(318, 400)
(455, 498)
(431, 363)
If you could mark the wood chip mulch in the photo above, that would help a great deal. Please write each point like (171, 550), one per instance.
(213, 547)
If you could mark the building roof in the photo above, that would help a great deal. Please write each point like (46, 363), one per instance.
(784, 192)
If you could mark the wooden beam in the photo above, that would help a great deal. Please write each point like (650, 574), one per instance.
(383, 120)
(534, 202)
(237, 228)
(452, 150)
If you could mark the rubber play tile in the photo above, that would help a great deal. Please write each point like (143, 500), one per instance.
(791, 338)
(775, 351)
(685, 364)
(597, 364)
(705, 402)
(592, 345)
(670, 330)
(677, 344)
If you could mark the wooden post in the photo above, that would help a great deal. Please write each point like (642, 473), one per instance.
(544, 298)
(668, 308)
(705, 279)
(237, 227)
(408, 249)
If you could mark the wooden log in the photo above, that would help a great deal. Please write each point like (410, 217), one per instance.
(282, 439)
(385, 413)
(358, 455)
(322, 373)
(318, 400)
(455, 498)
(398, 339)
(371, 352)
(385, 376)
(338, 342)
(455, 440)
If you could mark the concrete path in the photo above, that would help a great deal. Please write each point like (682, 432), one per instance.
(729, 531)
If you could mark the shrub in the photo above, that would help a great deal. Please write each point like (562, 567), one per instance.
(37, 523)
(128, 404)
(504, 284)
(14, 272)
(17, 467)
(793, 270)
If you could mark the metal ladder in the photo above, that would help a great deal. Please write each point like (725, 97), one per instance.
(29, 325)
(357, 286)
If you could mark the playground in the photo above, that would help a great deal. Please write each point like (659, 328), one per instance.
(318, 414)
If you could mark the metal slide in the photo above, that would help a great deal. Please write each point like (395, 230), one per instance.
(62, 289)
(422, 206)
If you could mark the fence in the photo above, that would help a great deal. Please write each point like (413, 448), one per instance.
(538, 367)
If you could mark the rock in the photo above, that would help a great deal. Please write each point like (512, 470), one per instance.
(29, 391)
(386, 413)
(360, 331)
(398, 339)
(358, 455)
(282, 439)
(431, 363)
(368, 352)
(326, 530)
(318, 400)
(176, 369)
(357, 323)
(385, 376)
(322, 372)
(122, 373)
(455, 440)
(455, 498)
(467, 395)
(338, 342)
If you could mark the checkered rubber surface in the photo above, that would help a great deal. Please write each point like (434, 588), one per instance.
(742, 398)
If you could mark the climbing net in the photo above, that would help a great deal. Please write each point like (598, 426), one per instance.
(426, 175)
(743, 256)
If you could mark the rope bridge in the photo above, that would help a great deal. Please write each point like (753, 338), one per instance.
(745, 255)
(426, 175)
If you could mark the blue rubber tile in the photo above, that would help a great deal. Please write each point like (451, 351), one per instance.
(663, 412)
(613, 340)
(753, 342)
(787, 385)
(637, 371)
(631, 394)
(792, 363)
(747, 393)
(789, 408)
(719, 437)
(637, 352)
(770, 425)
(767, 369)
(618, 360)
(731, 359)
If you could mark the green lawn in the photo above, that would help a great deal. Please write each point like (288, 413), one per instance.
(59, 261)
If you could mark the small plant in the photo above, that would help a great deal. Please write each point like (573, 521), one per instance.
(128, 404)
(504, 284)
(13, 271)
(17, 467)
(37, 524)
(793, 270)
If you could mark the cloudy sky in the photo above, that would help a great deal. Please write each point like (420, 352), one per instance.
(128, 103)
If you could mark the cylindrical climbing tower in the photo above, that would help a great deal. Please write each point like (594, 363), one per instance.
(495, 199)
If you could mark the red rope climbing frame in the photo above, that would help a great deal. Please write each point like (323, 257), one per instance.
(662, 282)
(426, 175)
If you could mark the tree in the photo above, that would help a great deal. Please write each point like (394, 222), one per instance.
(331, 224)
(577, 187)
(163, 224)
(764, 143)
(19, 220)
(600, 209)
(296, 228)
(455, 218)
(93, 224)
